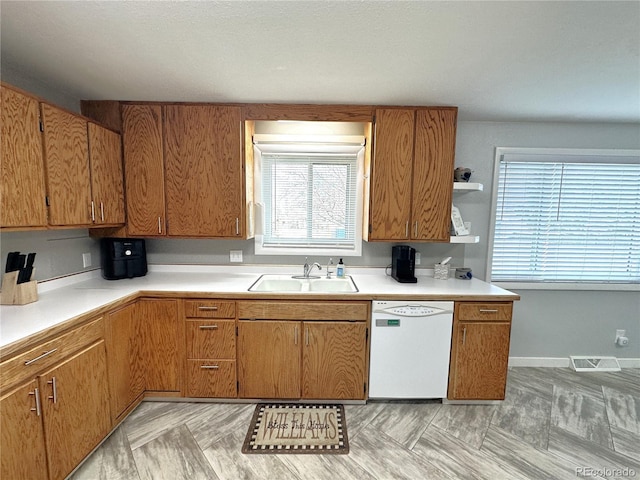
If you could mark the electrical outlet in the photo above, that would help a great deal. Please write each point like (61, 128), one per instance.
(621, 338)
(418, 258)
(235, 255)
(86, 260)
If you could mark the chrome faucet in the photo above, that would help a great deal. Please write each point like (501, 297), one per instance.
(307, 268)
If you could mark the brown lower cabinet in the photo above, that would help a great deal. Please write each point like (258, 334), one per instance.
(480, 350)
(63, 412)
(161, 337)
(309, 350)
(211, 348)
(126, 362)
(75, 408)
(22, 444)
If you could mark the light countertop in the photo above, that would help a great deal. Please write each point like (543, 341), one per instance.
(65, 299)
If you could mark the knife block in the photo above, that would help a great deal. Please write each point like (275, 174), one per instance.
(14, 293)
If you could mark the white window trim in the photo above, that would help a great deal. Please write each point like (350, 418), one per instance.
(500, 152)
(260, 249)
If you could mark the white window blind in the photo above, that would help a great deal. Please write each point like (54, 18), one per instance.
(309, 200)
(567, 218)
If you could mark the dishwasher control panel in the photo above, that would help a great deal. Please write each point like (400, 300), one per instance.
(412, 311)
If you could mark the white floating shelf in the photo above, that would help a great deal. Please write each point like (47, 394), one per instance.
(467, 187)
(464, 239)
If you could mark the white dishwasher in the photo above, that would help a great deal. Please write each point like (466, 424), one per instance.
(410, 349)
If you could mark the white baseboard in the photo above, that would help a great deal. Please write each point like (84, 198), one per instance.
(559, 362)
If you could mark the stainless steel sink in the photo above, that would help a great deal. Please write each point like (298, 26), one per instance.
(289, 284)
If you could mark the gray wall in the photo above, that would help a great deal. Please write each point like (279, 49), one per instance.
(59, 252)
(546, 323)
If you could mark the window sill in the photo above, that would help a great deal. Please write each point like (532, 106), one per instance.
(617, 287)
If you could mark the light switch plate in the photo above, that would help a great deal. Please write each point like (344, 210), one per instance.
(86, 260)
(235, 255)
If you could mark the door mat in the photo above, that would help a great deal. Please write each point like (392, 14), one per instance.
(297, 428)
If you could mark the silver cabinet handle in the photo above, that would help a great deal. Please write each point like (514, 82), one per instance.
(93, 212)
(213, 308)
(237, 226)
(295, 335)
(415, 229)
(54, 389)
(488, 310)
(406, 229)
(37, 409)
(102, 211)
(210, 367)
(208, 327)
(464, 335)
(306, 336)
(45, 354)
(159, 225)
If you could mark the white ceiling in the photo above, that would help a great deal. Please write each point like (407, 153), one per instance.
(504, 60)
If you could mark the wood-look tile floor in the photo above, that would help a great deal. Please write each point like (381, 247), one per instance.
(553, 424)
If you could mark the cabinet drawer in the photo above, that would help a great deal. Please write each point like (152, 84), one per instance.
(209, 309)
(29, 363)
(211, 378)
(275, 310)
(484, 311)
(211, 339)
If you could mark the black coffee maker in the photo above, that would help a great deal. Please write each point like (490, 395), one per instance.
(403, 264)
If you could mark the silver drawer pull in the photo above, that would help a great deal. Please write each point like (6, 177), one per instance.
(36, 394)
(54, 390)
(45, 354)
(214, 308)
(488, 310)
(208, 327)
(210, 367)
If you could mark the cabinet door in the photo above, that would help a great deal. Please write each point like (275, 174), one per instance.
(22, 191)
(160, 337)
(143, 169)
(435, 140)
(392, 169)
(66, 154)
(75, 404)
(107, 189)
(126, 374)
(22, 439)
(334, 360)
(203, 162)
(269, 359)
(480, 354)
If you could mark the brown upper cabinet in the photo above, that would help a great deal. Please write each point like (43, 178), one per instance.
(58, 169)
(22, 191)
(144, 169)
(83, 165)
(412, 174)
(107, 189)
(66, 154)
(184, 170)
(204, 170)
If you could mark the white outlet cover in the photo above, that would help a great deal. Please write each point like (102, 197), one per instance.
(235, 255)
(86, 260)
